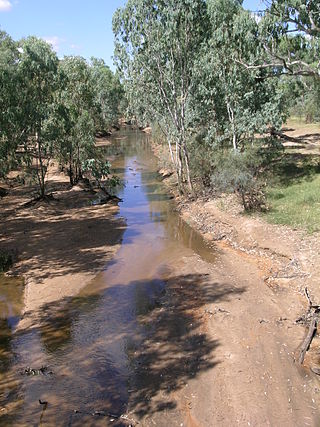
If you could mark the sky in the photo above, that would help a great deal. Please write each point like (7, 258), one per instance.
(73, 27)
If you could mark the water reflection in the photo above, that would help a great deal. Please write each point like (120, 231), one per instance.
(144, 190)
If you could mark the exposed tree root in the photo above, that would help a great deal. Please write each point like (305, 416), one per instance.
(46, 198)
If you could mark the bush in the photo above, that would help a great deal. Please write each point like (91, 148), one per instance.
(239, 172)
(100, 170)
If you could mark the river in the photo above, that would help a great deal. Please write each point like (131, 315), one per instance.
(128, 341)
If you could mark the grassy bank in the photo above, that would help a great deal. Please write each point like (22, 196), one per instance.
(293, 191)
(296, 205)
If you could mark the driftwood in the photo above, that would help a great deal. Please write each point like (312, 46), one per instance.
(313, 311)
(308, 339)
(281, 135)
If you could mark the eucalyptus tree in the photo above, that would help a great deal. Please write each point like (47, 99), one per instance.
(12, 117)
(108, 94)
(37, 66)
(75, 99)
(231, 103)
(156, 45)
(289, 36)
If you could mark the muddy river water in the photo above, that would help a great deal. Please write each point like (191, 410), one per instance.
(104, 350)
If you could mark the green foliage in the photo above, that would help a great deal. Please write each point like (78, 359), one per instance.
(108, 96)
(289, 45)
(231, 103)
(289, 33)
(307, 103)
(239, 172)
(51, 108)
(156, 46)
(11, 105)
(99, 169)
(88, 102)
(38, 65)
(202, 158)
(191, 83)
(302, 95)
(75, 99)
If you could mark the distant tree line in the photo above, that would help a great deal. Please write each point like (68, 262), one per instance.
(217, 81)
(51, 108)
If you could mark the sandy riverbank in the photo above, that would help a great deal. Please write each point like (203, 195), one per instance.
(288, 260)
(264, 270)
(59, 245)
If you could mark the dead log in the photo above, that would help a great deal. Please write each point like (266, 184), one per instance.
(308, 339)
(312, 316)
(274, 132)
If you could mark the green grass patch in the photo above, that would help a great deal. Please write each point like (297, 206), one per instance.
(295, 121)
(296, 205)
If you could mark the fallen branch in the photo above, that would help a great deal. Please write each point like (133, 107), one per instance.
(308, 297)
(282, 135)
(312, 327)
(308, 339)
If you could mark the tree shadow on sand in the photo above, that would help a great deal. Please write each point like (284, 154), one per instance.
(128, 349)
(46, 242)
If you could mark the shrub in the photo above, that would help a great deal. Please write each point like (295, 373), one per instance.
(239, 172)
(100, 170)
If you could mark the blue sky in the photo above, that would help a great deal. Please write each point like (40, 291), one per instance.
(73, 27)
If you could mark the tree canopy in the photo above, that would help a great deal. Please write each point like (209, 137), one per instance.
(52, 108)
(209, 74)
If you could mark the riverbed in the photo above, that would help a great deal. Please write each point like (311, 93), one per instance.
(91, 344)
(171, 332)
